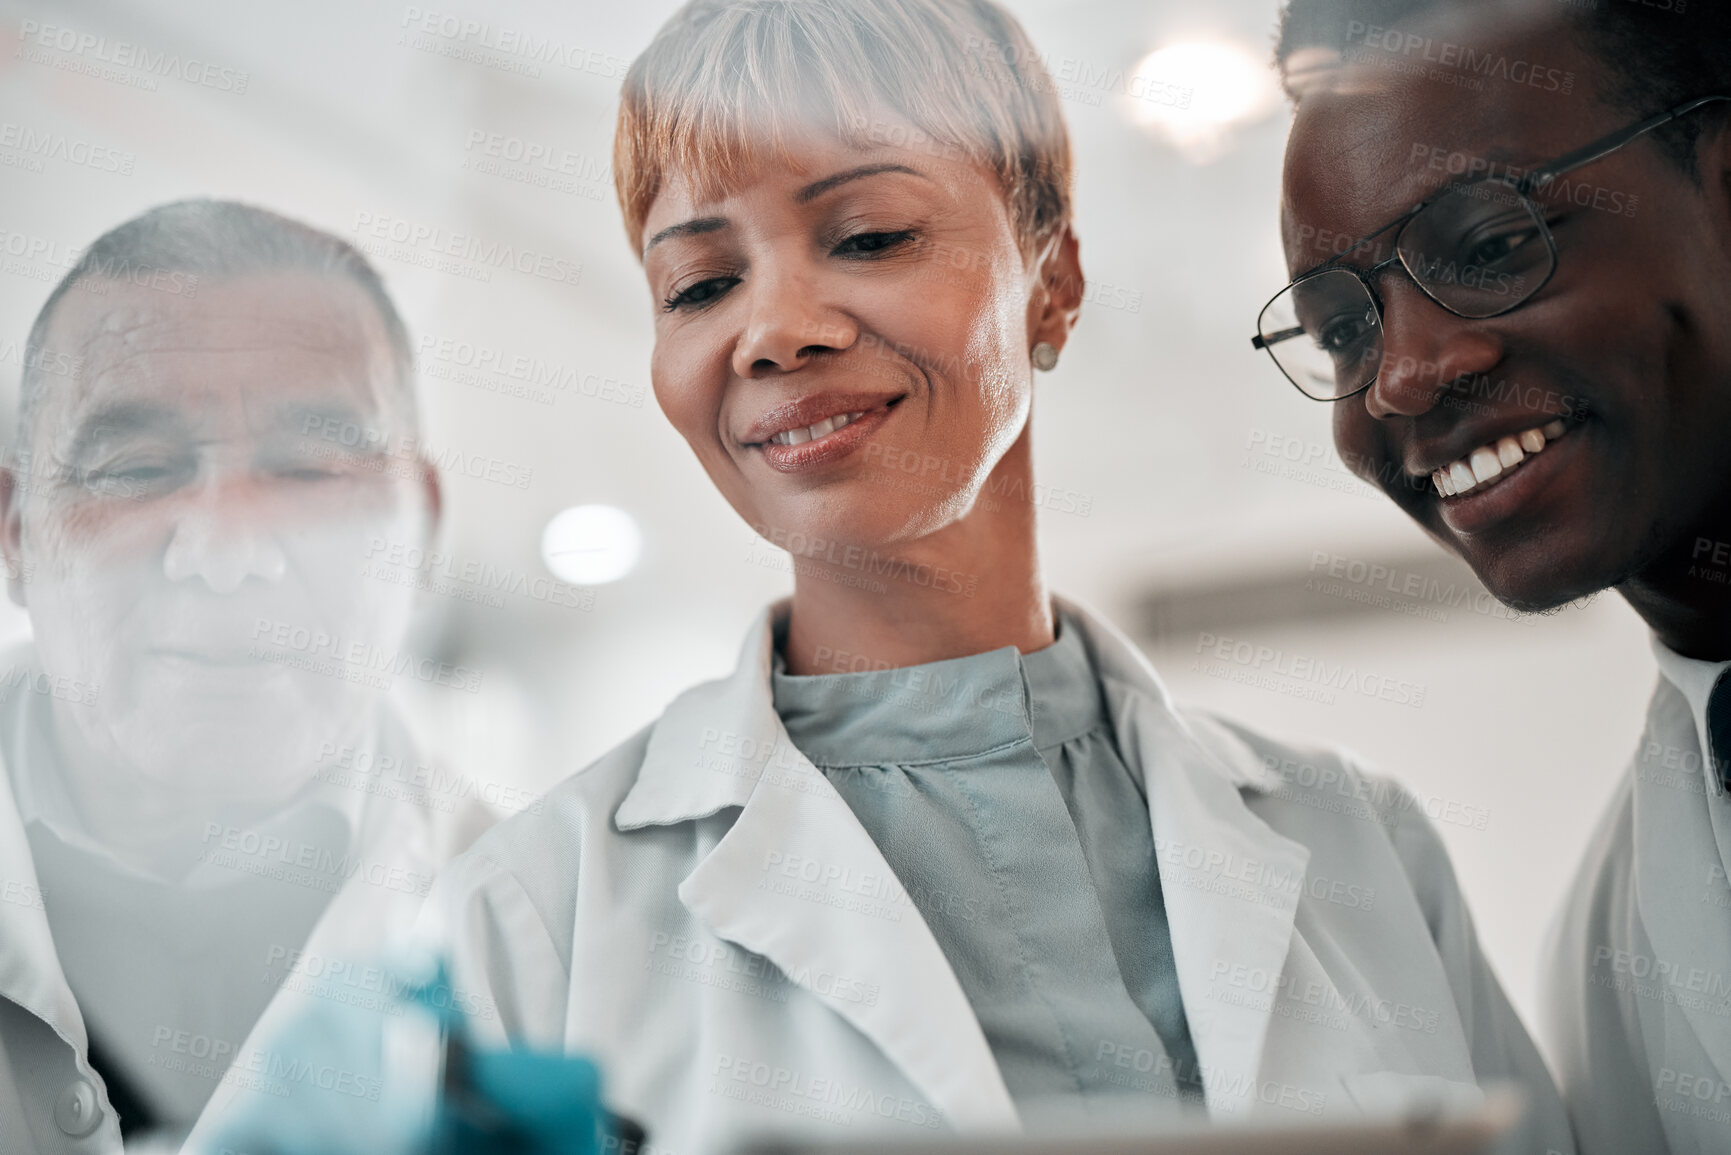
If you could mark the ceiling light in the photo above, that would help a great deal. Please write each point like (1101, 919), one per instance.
(1195, 93)
(590, 545)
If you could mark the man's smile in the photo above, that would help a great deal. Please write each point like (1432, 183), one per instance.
(1495, 459)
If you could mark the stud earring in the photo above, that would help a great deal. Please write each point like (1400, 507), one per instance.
(1045, 357)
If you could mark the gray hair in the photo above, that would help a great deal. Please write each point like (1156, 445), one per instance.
(212, 238)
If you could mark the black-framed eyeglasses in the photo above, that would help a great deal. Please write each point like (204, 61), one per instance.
(1479, 249)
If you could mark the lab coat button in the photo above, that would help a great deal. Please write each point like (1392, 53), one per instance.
(76, 1111)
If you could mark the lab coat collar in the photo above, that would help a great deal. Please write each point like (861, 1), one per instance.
(852, 938)
(714, 741)
(1695, 680)
(1674, 834)
(1127, 674)
(722, 744)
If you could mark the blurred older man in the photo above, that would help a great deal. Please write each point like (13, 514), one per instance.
(211, 803)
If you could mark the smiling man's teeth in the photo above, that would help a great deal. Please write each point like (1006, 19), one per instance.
(1489, 462)
(812, 432)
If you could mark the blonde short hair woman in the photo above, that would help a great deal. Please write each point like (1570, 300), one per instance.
(942, 850)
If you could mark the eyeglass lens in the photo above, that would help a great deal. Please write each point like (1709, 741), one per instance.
(1478, 250)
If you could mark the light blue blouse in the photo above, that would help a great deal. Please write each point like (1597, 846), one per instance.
(993, 786)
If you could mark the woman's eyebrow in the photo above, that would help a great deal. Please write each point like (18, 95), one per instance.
(689, 228)
(805, 195)
(817, 188)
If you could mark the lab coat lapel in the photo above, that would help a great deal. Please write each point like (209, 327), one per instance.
(1210, 848)
(1673, 822)
(798, 880)
(30, 973)
(1199, 818)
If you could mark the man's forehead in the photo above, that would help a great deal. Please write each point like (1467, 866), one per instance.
(1501, 84)
(1361, 140)
(1357, 134)
(1361, 155)
(120, 405)
(268, 347)
(111, 322)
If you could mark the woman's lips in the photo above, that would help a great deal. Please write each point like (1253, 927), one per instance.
(807, 447)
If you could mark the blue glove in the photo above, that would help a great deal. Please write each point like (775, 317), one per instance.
(510, 1102)
(486, 1102)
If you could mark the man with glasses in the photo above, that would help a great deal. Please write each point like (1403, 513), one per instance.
(1509, 231)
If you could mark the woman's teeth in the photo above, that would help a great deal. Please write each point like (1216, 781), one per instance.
(812, 432)
(1489, 462)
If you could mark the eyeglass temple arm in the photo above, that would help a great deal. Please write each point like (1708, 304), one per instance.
(1261, 342)
(1604, 146)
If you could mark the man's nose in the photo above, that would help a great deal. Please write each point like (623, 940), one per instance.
(224, 539)
(1425, 350)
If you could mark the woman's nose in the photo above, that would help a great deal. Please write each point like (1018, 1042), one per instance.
(788, 323)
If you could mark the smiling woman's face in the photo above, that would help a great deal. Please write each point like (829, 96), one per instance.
(844, 344)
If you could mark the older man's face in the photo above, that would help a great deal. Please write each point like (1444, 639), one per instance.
(194, 521)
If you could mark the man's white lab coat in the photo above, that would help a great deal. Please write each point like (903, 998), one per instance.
(1638, 1006)
(701, 912)
(51, 1101)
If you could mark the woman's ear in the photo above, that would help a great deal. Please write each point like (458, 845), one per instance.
(1057, 302)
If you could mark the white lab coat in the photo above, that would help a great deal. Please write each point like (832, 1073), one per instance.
(702, 912)
(1638, 1006)
(48, 1091)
